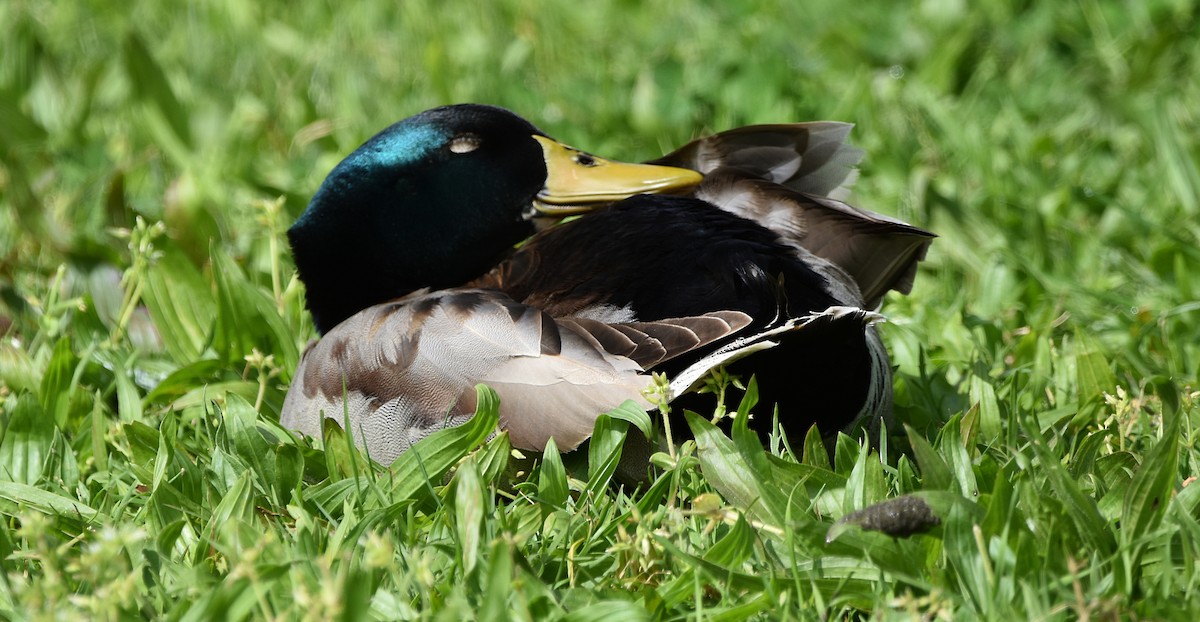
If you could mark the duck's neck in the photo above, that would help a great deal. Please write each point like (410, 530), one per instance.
(345, 272)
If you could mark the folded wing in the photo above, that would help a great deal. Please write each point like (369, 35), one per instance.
(399, 371)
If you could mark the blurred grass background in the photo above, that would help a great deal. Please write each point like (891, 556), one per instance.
(1052, 146)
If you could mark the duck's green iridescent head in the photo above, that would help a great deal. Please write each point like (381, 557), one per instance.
(437, 199)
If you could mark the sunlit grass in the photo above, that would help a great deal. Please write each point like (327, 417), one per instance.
(152, 156)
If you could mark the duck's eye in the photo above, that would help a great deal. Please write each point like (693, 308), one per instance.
(584, 159)
(465, 143)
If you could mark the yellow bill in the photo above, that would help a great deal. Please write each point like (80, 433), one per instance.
(577, 181)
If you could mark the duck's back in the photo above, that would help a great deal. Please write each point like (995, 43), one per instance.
(664, 256)
(654, 257)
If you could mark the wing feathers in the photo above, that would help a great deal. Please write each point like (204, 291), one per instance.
(788, 178)
(402, 370)
(880, 253)
(603, 336)
(807, 157)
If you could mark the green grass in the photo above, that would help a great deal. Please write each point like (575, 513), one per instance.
(1047, 358)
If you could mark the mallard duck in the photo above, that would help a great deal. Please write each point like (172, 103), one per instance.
(407, 255)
